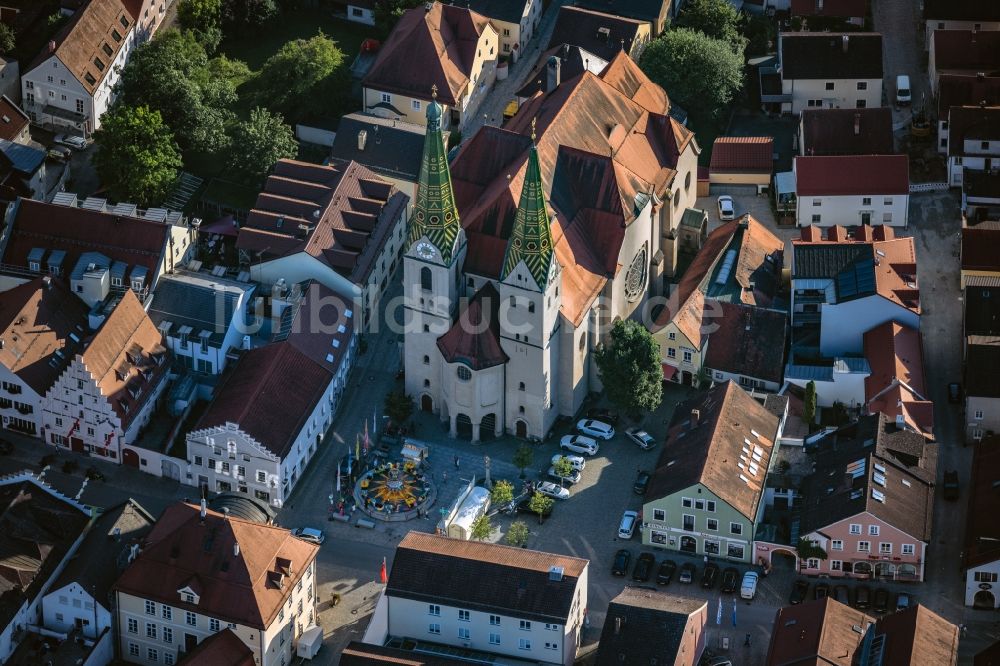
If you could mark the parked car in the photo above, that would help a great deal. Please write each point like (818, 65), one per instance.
(641, 437)
(842, 593)
(595, 428)
(310, 534)
(821, 591)
(863, 597)
(903, 600)
(552, 490)
(709, 575)
(726, 209)
(75, 142)
(626, 528)
(881, 604)
(730, 578)
(602, 414)
(687, 573)
(58, 154)
(643, 567)
(954, 393)
(666, 572)
(579, 444)
(641, 484)
(799, 590)
(6, 447)
(903, 94)
(951, 487)
(572, 478)
(716, 661)
(577, 462)
(620, 565)
(748, 587)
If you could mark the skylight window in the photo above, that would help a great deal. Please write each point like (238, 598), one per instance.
(879, 478)
(878, 496)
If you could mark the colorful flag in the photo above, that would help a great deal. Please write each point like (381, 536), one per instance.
(366, 437)
(338, 476)
(357, 446)
(383, 577)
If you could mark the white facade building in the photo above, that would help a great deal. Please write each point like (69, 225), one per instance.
(852, 190)
(515, 22)
(829, 70)
(168, 601)
(480, 606)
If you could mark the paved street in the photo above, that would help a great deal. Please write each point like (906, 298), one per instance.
(902, 49)
(491, 110)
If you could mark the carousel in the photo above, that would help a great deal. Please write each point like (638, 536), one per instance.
(395, 490)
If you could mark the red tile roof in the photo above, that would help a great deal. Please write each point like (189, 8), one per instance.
(474, 338)
(971, 123)
(847, 131)
(743, 154)
(36, 320)
(918, 635)
(984, 506)
(816, 632)
(184, 551)
(896, 385)
(966, 90)
(748, 341)
(126, 358)
(980, 249)
(13, 120)
(966, 51)
(841, 8)
(223, 648)
(435, 46)
(341, 214)
(594, 178)
(269, 394)
(845, 175)
(132, 240)
(322, 325)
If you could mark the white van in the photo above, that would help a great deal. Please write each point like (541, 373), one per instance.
(902, 89)
(627, 527)
(748, 590)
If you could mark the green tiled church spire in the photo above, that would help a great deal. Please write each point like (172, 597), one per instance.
(434, 213)
(531, 239)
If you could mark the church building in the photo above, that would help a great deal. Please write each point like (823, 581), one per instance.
(533, 241)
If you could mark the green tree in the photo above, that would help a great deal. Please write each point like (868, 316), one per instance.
(808, 550)
(204, 19)
(562, 467)
(523, 457)
(482, 528)
(502, 493)
(260, 142)
(305, 76)
(761, 35)
(630, 368)
(398, 407)
(136, 155)
(247, 14)
(517, 533)
(6, 38)
(717, 19)
(388, 13)
(809, 403)
(540, 504)
(701, 74)
(173, 75)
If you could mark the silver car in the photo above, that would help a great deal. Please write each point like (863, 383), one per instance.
(726, 209)
(577, 462)
(552, 490)
(594, 428)
(75, 142)
(572, 478)
(579, 444)
(310, 534)
(641, 437)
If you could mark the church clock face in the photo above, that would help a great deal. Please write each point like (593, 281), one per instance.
(635, 278)
(425, 250)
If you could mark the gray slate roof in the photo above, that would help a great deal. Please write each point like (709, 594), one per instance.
(508, 11)
(190, 302)
(391, 151)
(644, 626)
(823, 55)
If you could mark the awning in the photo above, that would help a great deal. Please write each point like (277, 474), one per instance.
(668, 372)
(223, 226)
(784, 182)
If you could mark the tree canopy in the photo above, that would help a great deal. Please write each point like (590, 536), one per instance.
(502, 493)
(136, 156)
(7, 40)
(517, 533)
(247, 14)
(717, 19)
(260, 142)
(305, 76)
(173, 75)
(203, 18)
(388, 12)
(630, 368)
(482, 528)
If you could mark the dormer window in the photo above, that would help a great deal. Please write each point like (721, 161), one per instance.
(116, 282)
(188, 596)
(34, 266)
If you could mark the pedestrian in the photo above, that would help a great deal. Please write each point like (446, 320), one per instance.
(747, 641)
(456, 462)
(444, 476)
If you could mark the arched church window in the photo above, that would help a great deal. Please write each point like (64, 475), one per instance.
(426, 279)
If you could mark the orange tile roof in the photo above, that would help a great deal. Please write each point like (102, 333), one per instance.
(743, 154)
(896, 385)
(184, 551)
(13, 120)
(816, 632)
(896, 272)
(126, 349)
(36, 320)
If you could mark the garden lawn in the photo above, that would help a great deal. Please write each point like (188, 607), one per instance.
(254, 48)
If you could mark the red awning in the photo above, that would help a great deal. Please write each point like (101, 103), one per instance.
(668, 372)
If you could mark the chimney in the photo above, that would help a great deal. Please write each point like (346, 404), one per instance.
(552, 73)
(428, 6)
(52, 46)
(47, 281)
(695, 415)
(204, 509)
(362, 139)
(236, 549)
(845, 42)
(225, 512)
(857, 123)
